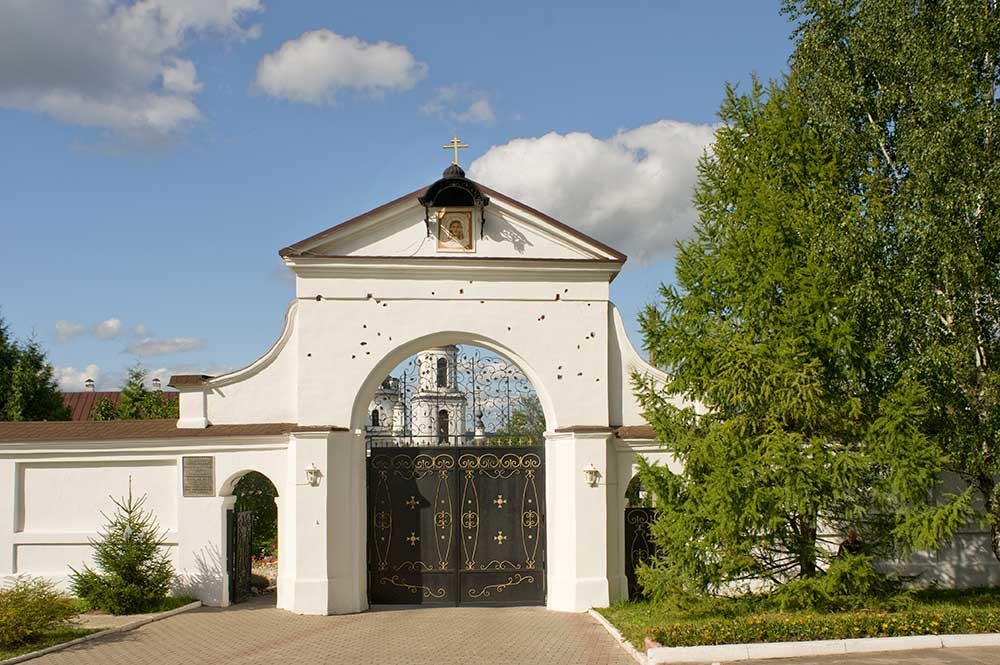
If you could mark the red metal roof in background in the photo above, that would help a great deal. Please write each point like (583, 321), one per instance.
(81, 404)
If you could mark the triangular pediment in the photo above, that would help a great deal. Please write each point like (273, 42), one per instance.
(510, 230)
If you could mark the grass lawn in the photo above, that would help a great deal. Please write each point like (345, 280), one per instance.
(47, 639)
(726, 622)
(169, 603)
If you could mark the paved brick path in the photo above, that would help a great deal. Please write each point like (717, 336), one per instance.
(256, 633)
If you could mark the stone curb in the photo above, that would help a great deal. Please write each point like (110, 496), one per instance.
(631, 650)
(722, 653)
(124, 628)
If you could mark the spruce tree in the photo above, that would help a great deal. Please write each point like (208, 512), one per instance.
(134, 572)
(28, 390)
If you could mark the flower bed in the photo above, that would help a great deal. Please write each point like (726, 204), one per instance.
(975, 612)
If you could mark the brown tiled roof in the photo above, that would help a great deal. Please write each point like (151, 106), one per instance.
(118, 430)
(635, 432)
(298, 249)
(178, 380)
(81, 404)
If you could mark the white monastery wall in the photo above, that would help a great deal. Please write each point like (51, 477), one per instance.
(60, 491)
(262, 392)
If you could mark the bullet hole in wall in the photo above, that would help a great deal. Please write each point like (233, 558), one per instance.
(364, 343)
(579, 373)
(559, 376)
(319, 298)
(541, 318)
(353, 356)
(557, 296)
(309, 355)
(369, 296)
(461, 290)
(385, 304)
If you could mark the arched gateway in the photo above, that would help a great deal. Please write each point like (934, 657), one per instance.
(469, 508)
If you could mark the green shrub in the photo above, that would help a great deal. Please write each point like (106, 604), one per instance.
(134, 570)
(851, 582)
(30, 607)
(259, 582)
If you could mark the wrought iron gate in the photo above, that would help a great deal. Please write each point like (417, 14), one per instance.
(239, 529)
(639, 546)
(456, 525)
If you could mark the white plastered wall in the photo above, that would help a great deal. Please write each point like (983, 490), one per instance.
(60, 489)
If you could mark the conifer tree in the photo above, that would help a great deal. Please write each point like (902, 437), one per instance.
(135, 402)
(134, 572)
(804, 424)
(28, 390)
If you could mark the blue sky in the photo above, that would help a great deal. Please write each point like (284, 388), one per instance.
(156, 156)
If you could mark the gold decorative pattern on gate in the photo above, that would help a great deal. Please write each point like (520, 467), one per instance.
(513, 580)
(442, 517)
(499, 466)
(414, 588)
(531, 524)
(470, 518)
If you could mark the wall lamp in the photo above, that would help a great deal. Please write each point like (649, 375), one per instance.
(313, 475)
(593, 475)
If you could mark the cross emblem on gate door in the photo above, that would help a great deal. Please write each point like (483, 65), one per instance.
(500, 537)
(412, 502)
(499, 500)
(413, 539)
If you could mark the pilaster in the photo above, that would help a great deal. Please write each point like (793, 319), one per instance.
(577, 519)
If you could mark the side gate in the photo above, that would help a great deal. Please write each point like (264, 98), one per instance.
(239, 554)
(456, 525)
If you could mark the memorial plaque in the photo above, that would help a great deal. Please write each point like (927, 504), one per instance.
(199, 476)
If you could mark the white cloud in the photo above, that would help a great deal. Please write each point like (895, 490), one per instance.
(68, 378)
(314, 67)
(111, 64)
(461, 103)
(158, 347)
(141, 330)
(108, 329)
(632, 190)
(67, 330)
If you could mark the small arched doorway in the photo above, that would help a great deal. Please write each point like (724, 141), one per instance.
(456, 488)
(252, 534)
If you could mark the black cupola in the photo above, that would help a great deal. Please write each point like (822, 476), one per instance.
(454, 190)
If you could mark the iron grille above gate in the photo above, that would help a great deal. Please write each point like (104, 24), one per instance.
(455, 396)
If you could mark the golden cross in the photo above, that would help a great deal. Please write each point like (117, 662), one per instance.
(455, 145)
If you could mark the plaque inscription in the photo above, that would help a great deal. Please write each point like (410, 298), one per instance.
(199, 476)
